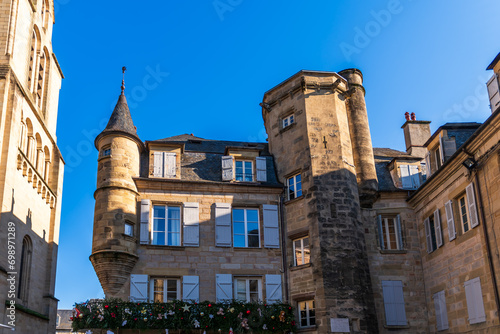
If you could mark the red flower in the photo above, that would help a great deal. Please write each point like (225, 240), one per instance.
(209, 305)
(113, 315)
(289, 308)
(106, 306)
(248, 311)
(135, 319)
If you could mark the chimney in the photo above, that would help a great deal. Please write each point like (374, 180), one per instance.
(416, 134)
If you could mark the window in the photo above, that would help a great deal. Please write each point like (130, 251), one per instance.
(166, 225)
(433, 234)
(437, 156)
(294, 186)
(301, 251)
(475, 305)
(164, 290)
(394, 304)
(164, 164)
(441, 312)
(246, 228)
(129, 229)
(307, 316)
(24, 274)
(106, 151)
(244, 170)
(462, 208)
(410, 176)
(390, 236)
(287, 121)
(248, 289)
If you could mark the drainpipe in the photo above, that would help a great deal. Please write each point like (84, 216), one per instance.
(283, 246)
(487, 239)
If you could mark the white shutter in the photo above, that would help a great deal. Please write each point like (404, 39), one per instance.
(494, 92)
(428, 165)
(271, 226)
(441, 149)
(227, 168)
(405, 176)
(274, 293)
(437, 228)
(191, 224)
(145, 217)
(380, 232)
(223, 224)
(475, 305)
(399, 232)
(394, 303)
(224, 287)
(191, 288)
(158, 164)
(428, 236)
(441, 312)
(452, 233)
(471, 202)
(415, 176)
(170, 164)
(139, 288)
(261, 163)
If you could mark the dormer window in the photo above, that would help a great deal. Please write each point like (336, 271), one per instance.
(289, 120)
(244, 167)
(165, 161)
(244, 170)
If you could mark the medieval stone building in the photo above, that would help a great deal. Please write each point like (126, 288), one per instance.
(358, 239)
(31, 166)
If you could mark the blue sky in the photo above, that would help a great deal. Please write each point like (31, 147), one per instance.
(202, 67)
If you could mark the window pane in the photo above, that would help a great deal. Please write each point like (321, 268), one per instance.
(159, 212)
(159, 225)
(253, 228)
(285, 122)
(298, 185)
(239, 241)
(174, 226)
(174, 239)
(239, 164)
(307, 252)
(291, 119)
(254, 285)
(171, 296)
(174, 212)
(241, 296)
(253, 241)
(238, 215)
(239, 228)
(252, 215)
(159, 238)
(158, 297)
(171, 285)
(129, 230)
(241, 285)
(248, 177)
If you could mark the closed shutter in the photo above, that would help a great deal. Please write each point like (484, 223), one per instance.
(261, 163)
(145, 216)
(437, 228)
(191, 288)
(428, 165)
(274, 293)
(428, 236)
(449, 147)
(441, 312)
(452, 233)
(405, 176)
(191, 224)
(224, 287)
(475, 305)
(170, 164)
(380, 232)
(158, 164)
(399, 232)
(271, 226)
(415, 176)
(227, 168)
(441, 149)
(223, 224)
(139, 288)
(494, 92)
(394, 303)
(471, 202)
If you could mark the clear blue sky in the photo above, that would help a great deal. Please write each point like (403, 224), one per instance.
(211, 67)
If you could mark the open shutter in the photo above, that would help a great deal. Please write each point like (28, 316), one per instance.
(274, 293)
(224, 287)
(441, 313)
(139, 288)
(394, 303)
(227, 168)
(223, 224)
(271, 226)
(191, 224)
(415, 176)
(494, 92)
(145, 216)
(471, 202)
(441, 149)
(428, 165)
(170, 164)
(405, 176)
(428, 236)
(475, 305)
(158, 164)
(449, 147)
(399, 232)
(380, 232)
(191, 288)
(452, 233)
(261, 163)
(437, 228)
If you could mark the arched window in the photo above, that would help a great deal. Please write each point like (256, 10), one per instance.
(39, 159)
(43, 64)
(34, 56)
(25, 269)
(47, 163)
(22, 135)
(45, 14)
(30, 140)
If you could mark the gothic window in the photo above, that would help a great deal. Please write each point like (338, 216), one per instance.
(33, 61)
(24, 273)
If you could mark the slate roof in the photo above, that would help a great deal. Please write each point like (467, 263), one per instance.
(383, 157)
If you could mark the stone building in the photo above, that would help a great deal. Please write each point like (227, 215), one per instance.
(358, 239)
(31, 166)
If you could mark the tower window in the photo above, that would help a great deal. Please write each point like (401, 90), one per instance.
(301, 251)
(106, 151)
(287, 121)
(294, 184)
(129, 229)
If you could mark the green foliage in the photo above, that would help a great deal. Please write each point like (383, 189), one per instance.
(186, 316)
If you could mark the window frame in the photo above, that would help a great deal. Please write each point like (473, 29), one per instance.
(245, 227)
(166, 218)
(308, 313)
(302, 252)
(131, 229)
(289, 120)
(105, 151)
(247, 287)
(461, 214)
(165, 284)
(244, 161)
(386, 233)
(293, 178)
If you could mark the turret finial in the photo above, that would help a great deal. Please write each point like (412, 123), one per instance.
(123, 80)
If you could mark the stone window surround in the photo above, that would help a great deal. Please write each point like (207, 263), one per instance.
(181, 218)
(308, 316)
(289, 175)
(247, 286)
(259, 222)
(151, 285)
(304, 263)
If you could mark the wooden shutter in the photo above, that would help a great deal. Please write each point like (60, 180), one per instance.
(223, 224)
(271, 226)
(441, 312)
(158, 164)
(405, 176)
(227, 168)
(224, 287)
(380, 232)
(145, 217)
(441, 149)
(452, 233)
(274, 293)
(471, 202)
(437, 228)
(494, 92)
(191, 288)
(414, 176)
(399, 233)
(475, 305)
(428, 236)
(261, 164)
(139, 288)
(449, 147)
(191, 224)
(394, 303)
(428, 165)
(170, 169)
